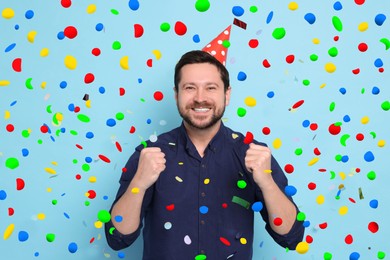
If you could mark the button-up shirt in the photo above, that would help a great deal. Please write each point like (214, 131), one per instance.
(201, 207)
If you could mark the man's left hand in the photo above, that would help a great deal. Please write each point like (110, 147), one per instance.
(258, 162)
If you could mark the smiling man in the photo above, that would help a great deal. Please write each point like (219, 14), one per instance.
(195, 190)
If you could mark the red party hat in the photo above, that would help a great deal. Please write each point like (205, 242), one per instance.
(216, 48)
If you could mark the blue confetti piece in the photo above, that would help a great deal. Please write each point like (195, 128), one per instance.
(378, 63)
(149, 121)
(380, 19)
(310, 18)
(343, 91)
(337, 6)
(66, 215)
(375, 90)
(270, 94)
(305, 123)
(257, 206)
(369, 156)
(63, 84)
(241, 76)
(121, 255)
(238, 11)
(139, 80)
(269, 17)
(118, 218)
(72, 247)
(345, 158)
(89, 135)
(25, 152)
(306, 223)
(23, 236)
(10, 47)
(354, 256)
(88, 159)
(111, 122)
(290, 190)
(374, 204)
(134, 5)
(346, 119)
(3, 195)
(196, 38)
(29, 14)
(60, 35)
(102, 90)
(71, 107)
(99, 27)
(203, 209)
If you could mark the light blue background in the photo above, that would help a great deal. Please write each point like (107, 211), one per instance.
(73, 220)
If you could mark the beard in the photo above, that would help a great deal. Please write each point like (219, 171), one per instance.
(204, 124)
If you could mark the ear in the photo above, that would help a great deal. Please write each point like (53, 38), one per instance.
(174, 89)
(227, 95)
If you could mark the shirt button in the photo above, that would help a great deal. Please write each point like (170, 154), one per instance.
(203, 194)
(202, 252)
(203, 166)
(202, 222)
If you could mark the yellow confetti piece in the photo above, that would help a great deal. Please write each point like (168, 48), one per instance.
(135, 190)
(124, 62)
(43, 85)
(8, 231)
(41, 216)
(59, 116)
(363, 26)
(181, 163)
(250, 101)
(92, 179)
(342, 175)
(313, 161)
(293, 6)
(277, 143)
(365, 120)
(330, 67)
(49, 189)
(8, 13)
(179, 179)
(320, 199)
(157, 54)
(4, 83)
(50, 170)
(316, 41)
(206, 181)
(234, 136)
(44, 52)
(31, 36)
(302, 247)
(381, 143)
(268, 171)
(243, 241)
(70, 62)
(343, 210)
(98, 224)
(7, 114)
(91, 9)
(323, 85)
(88, 103)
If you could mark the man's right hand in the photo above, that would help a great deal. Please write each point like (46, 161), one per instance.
(151, 163)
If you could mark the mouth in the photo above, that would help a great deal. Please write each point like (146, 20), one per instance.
(201, 109)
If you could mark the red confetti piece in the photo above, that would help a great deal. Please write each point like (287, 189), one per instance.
(138, 30)
(373, 227)
(248, 138)
(334, 129)
(77, 109)
(266, 63)
(124, 169)
(316, 151)
(158, 95)
(224, 241)
(10, 128)
(118, 146)
(66, 3)
(78, 177)
(289, 168)
(70, 32)
(381, 70)
(323, 225)
(180, 28)
(91, 194)
(322, 170)
(352, 200)
(132, 130)
(79, 146)
(348, 239)
(359, 2)
(89, 78)
(44, 129)
(122, 91)
(360, 137)
(253, 43)
(309, 239)
(96, 51)
(336, 38)
(104, 158)
(298, 104)
(278, 221)
(239, 23)
(224, 205)
(20, 184)
(356, 71)
(290, 59)
(266, 130)
(149, 63)
(17, 65)
(91, 240)
(363, 47)
(313, 126)
(170, 207)
(312, 186)
(11, 211)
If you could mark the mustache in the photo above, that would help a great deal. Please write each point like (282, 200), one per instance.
(199, 104)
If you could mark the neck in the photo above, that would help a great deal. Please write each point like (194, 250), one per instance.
(201, 137)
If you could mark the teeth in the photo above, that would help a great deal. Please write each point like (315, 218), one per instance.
(201, 109)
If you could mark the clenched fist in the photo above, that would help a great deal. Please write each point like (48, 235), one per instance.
(258, 162)
(151, 163)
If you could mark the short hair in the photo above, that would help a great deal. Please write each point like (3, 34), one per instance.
(198, 56)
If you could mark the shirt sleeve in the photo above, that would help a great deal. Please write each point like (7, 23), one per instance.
(115, 239)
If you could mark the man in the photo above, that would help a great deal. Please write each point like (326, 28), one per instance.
(195, 189)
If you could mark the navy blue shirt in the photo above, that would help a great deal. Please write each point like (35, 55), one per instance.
(201, 207)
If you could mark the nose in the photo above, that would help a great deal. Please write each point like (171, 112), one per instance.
(200, 95)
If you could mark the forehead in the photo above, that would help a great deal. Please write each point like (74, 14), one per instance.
(200, 72)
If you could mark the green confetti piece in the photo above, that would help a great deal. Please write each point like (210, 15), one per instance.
(385, 105)
(40, 141)
(332, 106)
(301, 216)
(226, 43)
(371, 175)
(241, 112)
(50, 237)
(83, 118)
(386, 42)
(75, 161)
(202, 5)
(116, 45)
(338, 123)
(144, 143)
(338, 25)
(279, 33)
(28, 83)
(104, 216)
(253, 9)
(165, 27)
(73, 132)
(314, 57)
(327, 256)
(306, 82)
(120, 116)
(114, 11)
(87, 203)
(381, 255)
(241, 202)
(12, 163)
(338, 157)
(363, 90)
(111, 231)
(25, 133)
(298, 151)
(200, 257)
(241, 184)
(54, 202)
(333, 52)
(85, 167)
